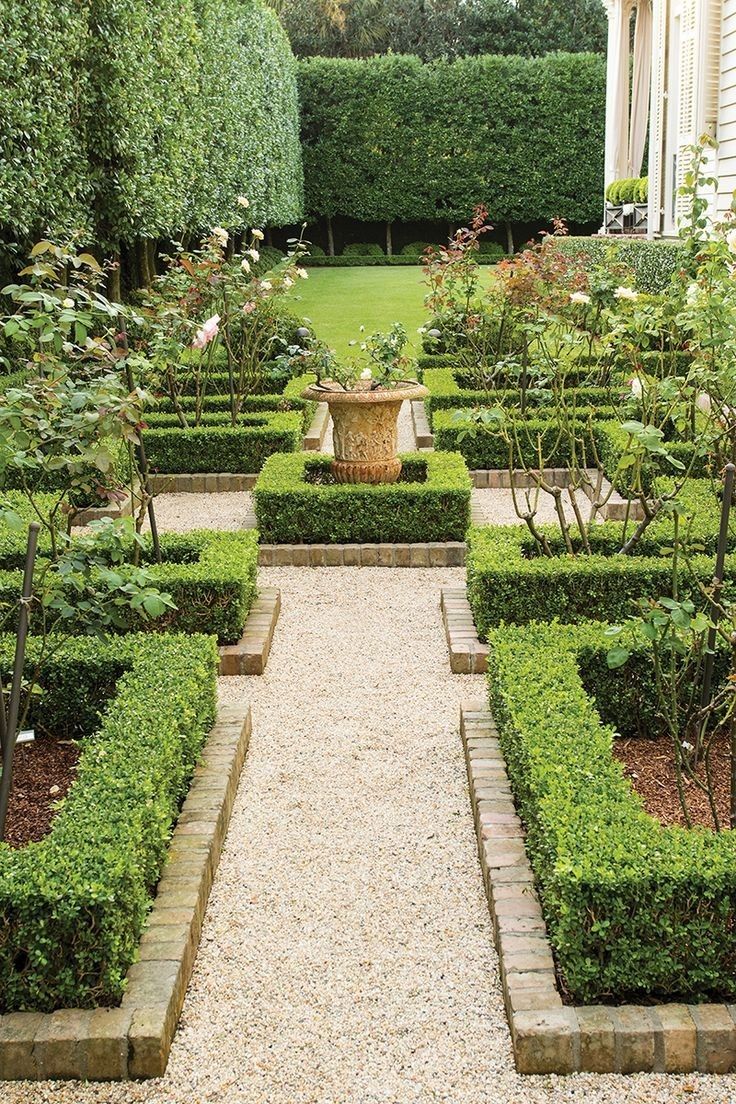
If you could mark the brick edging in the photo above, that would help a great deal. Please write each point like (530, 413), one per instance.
(468, 654)
(87, 514)
(134, 1040)
(188, 483)
(250, 655)
(547, 1036)
(449, 554)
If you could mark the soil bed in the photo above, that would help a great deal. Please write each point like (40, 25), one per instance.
(649, 765)
(43, 771)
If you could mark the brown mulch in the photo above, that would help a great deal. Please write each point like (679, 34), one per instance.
(43, 771)
(649, 765)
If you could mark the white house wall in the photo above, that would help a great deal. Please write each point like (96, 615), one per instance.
(726, 132)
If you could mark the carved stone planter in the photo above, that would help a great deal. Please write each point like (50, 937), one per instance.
(365, 431)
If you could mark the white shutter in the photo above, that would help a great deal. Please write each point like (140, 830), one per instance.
(657, 115)
(687, 129)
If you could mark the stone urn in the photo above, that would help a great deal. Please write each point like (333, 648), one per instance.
(365, 428)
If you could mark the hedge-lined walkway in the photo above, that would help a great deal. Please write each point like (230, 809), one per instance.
(346, 956)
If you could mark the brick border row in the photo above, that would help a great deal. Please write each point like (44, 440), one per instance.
(468, 654)
(449, 554)
(547, 1036)
(134, 1040)
(250, 655)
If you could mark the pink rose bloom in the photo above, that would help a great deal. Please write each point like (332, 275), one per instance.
(209, 330)
(249, 308)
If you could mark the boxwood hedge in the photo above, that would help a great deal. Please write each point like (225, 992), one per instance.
(446, 393)
(211, 577)
(634, 910)
(221, 447)
(297, 503)
(72, 906)
(508, 581)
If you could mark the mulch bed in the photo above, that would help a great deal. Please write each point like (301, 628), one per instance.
(649, 765)
(43, 771)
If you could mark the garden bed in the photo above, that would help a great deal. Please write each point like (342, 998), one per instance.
(218, 446)
(508, 580)
(210, 576)
(73, 905)
(298, 503)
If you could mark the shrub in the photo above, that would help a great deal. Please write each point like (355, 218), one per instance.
(362, 249)
(508, 581)
(223, 448)
(296, 502)
(486, 450)
(445, 393)
(210, 576)
(491, 251)
(72, 907)
(634, 910)
(416, 249)
(652, 263)
(390, 138)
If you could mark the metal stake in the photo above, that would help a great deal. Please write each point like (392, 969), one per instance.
(11, 730)
(730, 471)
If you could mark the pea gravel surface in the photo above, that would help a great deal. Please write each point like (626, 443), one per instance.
(347, 955)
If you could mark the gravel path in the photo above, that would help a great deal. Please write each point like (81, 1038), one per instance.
(176, 513)
(347, 955)
(496, 507)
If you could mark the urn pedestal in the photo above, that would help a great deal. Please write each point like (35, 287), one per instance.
(365, 429)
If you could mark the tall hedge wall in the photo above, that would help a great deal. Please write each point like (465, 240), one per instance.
(393, 138)
(140, 119)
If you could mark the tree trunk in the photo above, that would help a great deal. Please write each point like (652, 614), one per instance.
(509, 239)
(114, 279)
(389, 240)
(330, 238)
(144, 269)
(152, 257)
(269, 236)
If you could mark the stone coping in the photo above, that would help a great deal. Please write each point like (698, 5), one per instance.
(547, 1036)
(422, 433)
(134, 1040)
(468, 654)
(250, 655)
(450, 554)
(315, 435)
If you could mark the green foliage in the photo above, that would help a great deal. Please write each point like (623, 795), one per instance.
(134, 119)
(630, 190)
(362, 249)
(72, 907)
(509, 581)
(209, 576)
(634, 910)
(297, 502)
(652, 264)
(223, 448)
(390, 138)
(443, 29)
(446, 393)
(488, 450)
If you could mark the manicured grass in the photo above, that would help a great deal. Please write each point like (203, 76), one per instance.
(338, 301)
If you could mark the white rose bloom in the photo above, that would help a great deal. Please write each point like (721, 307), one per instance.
(704, 403)
(580, 297)
(288, 282)
(243, 201)
(245, 265)
(257, 234)
(731, 240)
(422, 330)
(68, 303)
(637, 387)
(266, 285)
(302, 274)
(625, 293)
(254, 255)
(366, 374)
(692, 293)
(221, 235)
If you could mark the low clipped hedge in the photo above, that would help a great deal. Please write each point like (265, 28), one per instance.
(72, 907)
(355, 260)
(652, 262)
(509, 581)
(217, 399)
(221, 447)
(634, 910)
(431, 502)
(485, 450)
(211, 577)
(446, 393)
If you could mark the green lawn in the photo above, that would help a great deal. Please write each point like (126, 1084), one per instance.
(338, 301)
